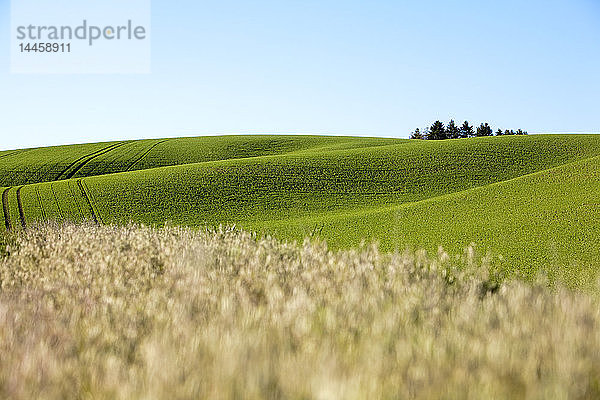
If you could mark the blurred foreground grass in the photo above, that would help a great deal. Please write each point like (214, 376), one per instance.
(133, 312)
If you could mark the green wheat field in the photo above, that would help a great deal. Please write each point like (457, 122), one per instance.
(302, 267)
(531, 200)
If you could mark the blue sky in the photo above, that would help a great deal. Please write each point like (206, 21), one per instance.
(369, 68)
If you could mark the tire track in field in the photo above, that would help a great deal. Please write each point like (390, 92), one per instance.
(87, 198)
(64, 171)
(82, 158)
(15, 152)
(10, 153)
(6, 210)
(91, 200)
(56, 200)
(145, 154)
(98, 154)
(39, 198)
(20, 206)
(75, 199)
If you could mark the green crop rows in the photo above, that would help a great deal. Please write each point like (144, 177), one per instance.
(531, 199)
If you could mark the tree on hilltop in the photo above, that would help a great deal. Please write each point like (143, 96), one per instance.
(452, 130)
(484, 130)
(466, 130)
(437, 131)
(417, 135)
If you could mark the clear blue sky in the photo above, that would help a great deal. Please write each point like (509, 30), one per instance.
(377, 68)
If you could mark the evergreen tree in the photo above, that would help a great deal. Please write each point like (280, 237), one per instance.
(426, 133)
(484, 130)
(437, 131)
(452, 130)
(466, 130)
(417, 134)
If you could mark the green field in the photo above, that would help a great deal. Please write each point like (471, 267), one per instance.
(531, 199)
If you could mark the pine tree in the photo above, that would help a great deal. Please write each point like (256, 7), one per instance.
(484, 130)
(437, 131)
(452, 130)
(417, 134)
(466, 130)
(426, 133)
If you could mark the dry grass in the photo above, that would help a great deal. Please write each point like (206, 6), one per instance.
(132, 312)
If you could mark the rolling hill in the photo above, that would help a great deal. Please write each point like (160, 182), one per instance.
(530, 199)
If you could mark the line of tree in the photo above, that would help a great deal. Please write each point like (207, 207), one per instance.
(439, 131)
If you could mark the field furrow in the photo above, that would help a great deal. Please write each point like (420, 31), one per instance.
(90, 158)
(40, 203)
(137, 160)
(43, 164)
(13, 208)
(73, 164)
(60, 212)
(10, 153)
(98, 214)
(71, 206)
(87, 200)
(6, 209)
(75, 199)
(20, 207)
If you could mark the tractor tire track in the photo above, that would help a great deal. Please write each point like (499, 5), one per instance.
(145, 154)
(6, 209)
(56, 200)
(10, 153)
(80, 166)
(20, 206)
(75, 199)
(74, 163)
(82, 158)
(39, 198)
(15, 152)
(87, 198)
(92, 202)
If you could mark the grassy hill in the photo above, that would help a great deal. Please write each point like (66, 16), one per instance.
(46, 164)
(548, 220)
(531, 199)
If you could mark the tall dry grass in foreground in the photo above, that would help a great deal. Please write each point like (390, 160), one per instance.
(130, 312)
